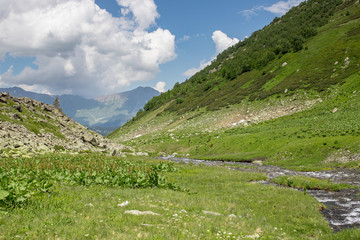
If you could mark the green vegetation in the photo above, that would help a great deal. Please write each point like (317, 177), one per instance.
(57, 104)
(299, 110)
(305, 183)
(21, 179)
(322, 137)
(296, 51)
(34, 121)
(229, 204)
(289, 96)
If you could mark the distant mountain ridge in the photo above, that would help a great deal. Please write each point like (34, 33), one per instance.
(102, 114)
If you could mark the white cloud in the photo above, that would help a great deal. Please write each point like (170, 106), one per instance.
(278, 8)
(192, 71)
(144, 11)
(160, 86)
(282, 7)
(222, 41)
(184, 39)
(248, 13)
(80, 48)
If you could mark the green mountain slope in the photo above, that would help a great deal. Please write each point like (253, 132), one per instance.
(288, 94)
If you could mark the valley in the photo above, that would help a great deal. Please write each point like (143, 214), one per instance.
(262, 143)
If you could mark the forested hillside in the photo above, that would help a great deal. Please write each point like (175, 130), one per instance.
(251, 70)
(289, 94)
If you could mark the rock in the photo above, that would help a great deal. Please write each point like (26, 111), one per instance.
(147, 225)
(18, 144)
(3, 100)
(47, 108)
(88, 138)
(258, 162)
(138, 213)
(18, 108)
(212, 213)
(123, 204)
(114, 152)
(284, 64)
(17, 117)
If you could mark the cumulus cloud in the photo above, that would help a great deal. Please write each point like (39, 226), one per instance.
(282, 7)
(222, 42)
(144, 11)
(80, 48)
(160, 86)
(192, 71)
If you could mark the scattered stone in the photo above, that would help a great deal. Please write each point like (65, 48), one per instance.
(18, 108)
(284, 64)
(3, 100)
(138, 213)
(75, 137)
(47, 108)
(258, 162)
(147, 225)
(123, 204)
(335, 110)
(212, 213)
(88, 138)
(17, 116)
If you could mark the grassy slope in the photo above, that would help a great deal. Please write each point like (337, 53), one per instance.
(33, 121)
(301, 140)
(268, 212)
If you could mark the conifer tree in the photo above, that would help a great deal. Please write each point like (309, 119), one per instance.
(57, 104)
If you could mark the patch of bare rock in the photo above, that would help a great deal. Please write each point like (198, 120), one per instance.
(22, 134)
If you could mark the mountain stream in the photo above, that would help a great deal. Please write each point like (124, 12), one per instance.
(342, 207)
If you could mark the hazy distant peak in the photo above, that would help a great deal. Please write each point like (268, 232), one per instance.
(109, 98)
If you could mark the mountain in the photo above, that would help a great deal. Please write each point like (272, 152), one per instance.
(112, 111)
(287, 95)
(103, 114)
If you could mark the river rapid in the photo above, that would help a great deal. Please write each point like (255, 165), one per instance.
(342, 207)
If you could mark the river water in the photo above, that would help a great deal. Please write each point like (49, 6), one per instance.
(342, 207)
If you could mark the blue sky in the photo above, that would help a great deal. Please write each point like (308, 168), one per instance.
(95, 48)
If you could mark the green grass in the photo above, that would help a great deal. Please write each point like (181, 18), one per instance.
(316, 80)
(35, 121)
(306, 140)
(22, 178)
(302, 182)
(257, 211)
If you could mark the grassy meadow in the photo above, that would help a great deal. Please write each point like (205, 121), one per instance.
(208, 203)
(325, 136)
(299, 110)
(296, 106)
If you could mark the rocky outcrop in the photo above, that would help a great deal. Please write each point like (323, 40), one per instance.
(29, 127)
